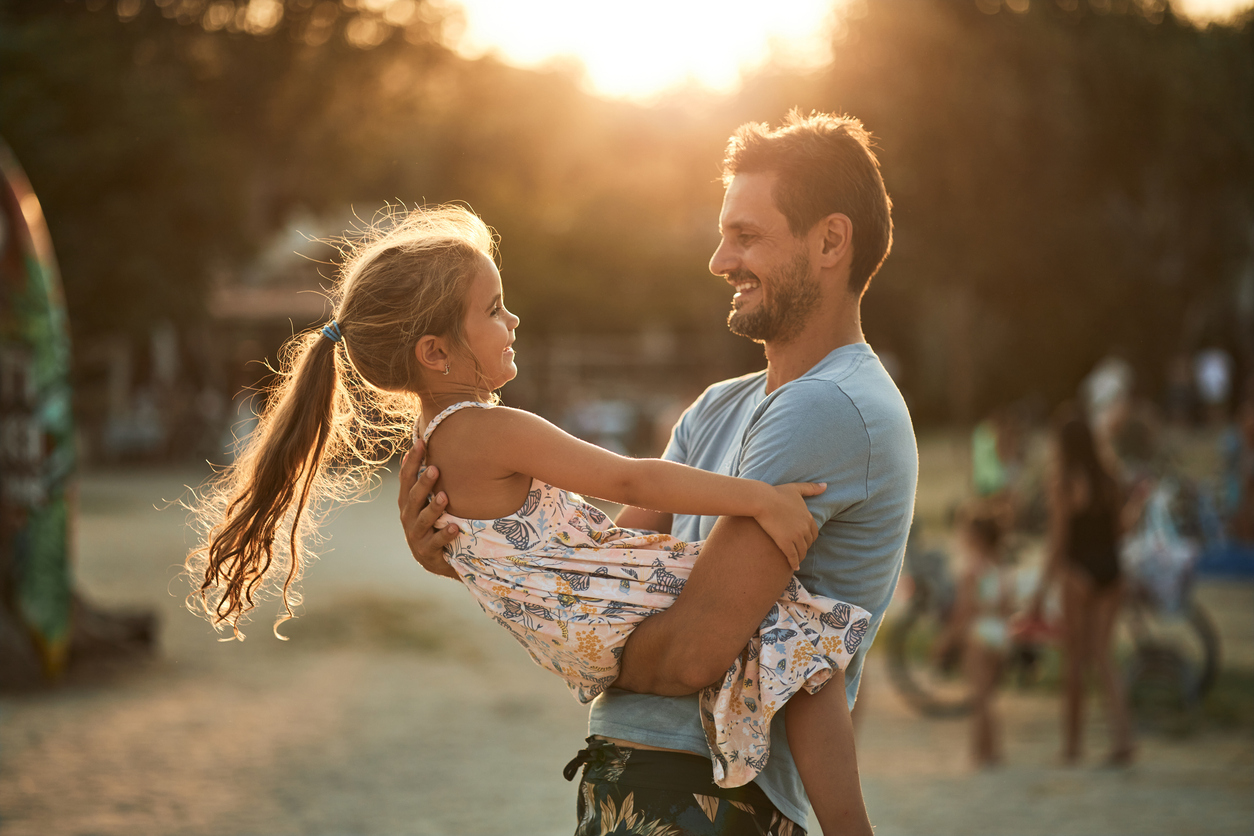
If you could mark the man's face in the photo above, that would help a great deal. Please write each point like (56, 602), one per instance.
(768, 268)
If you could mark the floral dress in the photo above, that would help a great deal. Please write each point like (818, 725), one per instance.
(570, 586)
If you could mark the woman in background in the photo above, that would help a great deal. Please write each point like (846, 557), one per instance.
(1085, 505)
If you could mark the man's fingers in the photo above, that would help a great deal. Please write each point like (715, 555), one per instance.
(412, 462)
(417, 495)
(409, 471)
(445, 536)
(426, 479)
(429, 514)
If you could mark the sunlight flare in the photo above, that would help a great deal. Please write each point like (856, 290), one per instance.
(644, 48)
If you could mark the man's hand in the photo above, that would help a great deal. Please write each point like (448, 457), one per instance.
(418, 516)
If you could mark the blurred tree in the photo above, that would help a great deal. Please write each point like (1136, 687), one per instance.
(1067, 178)
(1068, 174)
(126, 160)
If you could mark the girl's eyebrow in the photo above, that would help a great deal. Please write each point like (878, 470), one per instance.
(495, 300)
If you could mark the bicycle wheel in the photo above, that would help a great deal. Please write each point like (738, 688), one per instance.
(1170, 661)
(933, 688)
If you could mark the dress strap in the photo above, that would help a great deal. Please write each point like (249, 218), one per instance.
(435, 422)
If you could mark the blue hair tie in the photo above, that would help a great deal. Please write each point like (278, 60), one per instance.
(332, 331)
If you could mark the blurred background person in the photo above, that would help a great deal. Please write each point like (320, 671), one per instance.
(980, 625)
(1212, 371)
(1237, 492)
(1085, 505)
(1107, 393)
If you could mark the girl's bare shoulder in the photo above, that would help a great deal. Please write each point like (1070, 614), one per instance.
(477, 433)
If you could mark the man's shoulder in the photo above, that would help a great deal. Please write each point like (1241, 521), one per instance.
(855, 389)
(733, 389)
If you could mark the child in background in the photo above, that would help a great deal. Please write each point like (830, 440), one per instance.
(981, 624)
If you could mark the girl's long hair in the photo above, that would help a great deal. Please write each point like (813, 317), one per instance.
(1079, 456)
(338, 411)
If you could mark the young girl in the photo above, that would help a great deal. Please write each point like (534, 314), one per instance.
(421, 338)
(981, 626)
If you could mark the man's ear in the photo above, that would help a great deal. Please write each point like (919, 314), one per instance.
(432, 353)
(835, 239)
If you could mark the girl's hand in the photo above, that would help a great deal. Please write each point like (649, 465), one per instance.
(787, 520)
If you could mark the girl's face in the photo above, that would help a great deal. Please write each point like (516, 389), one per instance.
(489, 328)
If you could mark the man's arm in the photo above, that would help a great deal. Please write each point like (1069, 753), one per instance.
(739, 576)
(643, 518)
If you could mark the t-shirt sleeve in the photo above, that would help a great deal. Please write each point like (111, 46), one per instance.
(811, 432)
(681, 435)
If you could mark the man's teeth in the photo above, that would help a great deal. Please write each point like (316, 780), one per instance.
(745, 286)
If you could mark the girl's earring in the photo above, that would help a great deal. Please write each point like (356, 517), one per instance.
(446, 368)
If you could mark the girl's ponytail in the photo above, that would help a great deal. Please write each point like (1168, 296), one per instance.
(339, 411)
(259, 500)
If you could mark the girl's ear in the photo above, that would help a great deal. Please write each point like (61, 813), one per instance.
(432, 353)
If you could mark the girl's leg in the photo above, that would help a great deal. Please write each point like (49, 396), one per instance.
(982, 670)
(820, 735)
(1106, 607)
(1076, 606)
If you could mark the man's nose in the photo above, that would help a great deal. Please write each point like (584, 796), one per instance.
(722, 263)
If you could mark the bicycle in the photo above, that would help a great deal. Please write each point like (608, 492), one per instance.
(1170, 655)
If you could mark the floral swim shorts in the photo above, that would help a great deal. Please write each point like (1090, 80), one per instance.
(642, 791)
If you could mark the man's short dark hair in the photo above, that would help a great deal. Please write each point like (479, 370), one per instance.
(825, 165)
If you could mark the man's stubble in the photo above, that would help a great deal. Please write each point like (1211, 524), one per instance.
(781, 316)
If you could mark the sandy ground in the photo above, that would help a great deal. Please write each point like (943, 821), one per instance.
(397, 708)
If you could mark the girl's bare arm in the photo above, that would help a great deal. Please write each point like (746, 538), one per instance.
(820, 735)
(525, 443)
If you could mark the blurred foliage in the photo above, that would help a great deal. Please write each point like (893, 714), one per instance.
(1068, 175)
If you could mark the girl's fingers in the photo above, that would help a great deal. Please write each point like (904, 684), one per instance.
(813, 488)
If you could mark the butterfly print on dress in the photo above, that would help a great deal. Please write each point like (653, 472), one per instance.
(838, 618)
(521, 535)
(854, 637)
(664, 581)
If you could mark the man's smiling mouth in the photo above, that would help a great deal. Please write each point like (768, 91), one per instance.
(744, 286)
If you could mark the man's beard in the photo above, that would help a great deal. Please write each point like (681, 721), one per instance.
(780, 316)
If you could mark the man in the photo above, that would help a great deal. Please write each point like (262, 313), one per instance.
(805, 224)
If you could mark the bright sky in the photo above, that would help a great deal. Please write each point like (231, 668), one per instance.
(643, 47)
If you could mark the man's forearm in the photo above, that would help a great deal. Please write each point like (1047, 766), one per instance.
(642, 518)
(653, 660)
(739, 575)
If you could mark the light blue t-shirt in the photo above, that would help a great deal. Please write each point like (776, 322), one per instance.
(843, 423)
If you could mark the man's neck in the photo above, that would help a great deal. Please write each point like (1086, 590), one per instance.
(788, 361)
